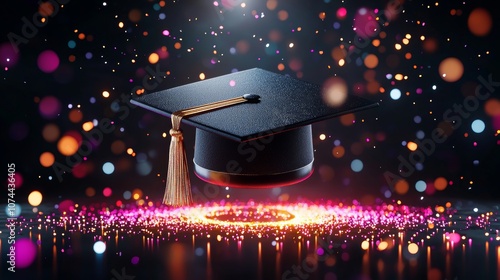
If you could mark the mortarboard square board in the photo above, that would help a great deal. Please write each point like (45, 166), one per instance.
(266, 142)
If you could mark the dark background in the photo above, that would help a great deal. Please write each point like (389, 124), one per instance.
(111, 68)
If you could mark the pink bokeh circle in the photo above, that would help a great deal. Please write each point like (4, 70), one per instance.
(25, 251)
(48, 61)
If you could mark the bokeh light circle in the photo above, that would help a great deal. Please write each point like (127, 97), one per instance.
(127, 195)
(338, 151)
(334, 91)
(35, 198)
(492, 107)
(341, 13)
(8, 55)
(25, 251)
(99, 247)
(440, 183)
(371, 61)
(48, 61)
(412, 146)
(13, 212)
(67, 145)
(365, 24)
(451, 69)
(357, 165)
(75, 115)
(47, 159)
(395, 94)
(412, 248)
(365, 245)
(50, 132)
(66, 206)
(453, 237)
(153, 58)
(90, 191)
(107, 192)
(71, 44)
(108, 168)
(420, 186)
(480, 22)
(49, 107)
(478, 126)
(134, 15)
(401, 186)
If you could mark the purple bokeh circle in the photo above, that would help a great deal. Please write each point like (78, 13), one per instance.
(48, 61)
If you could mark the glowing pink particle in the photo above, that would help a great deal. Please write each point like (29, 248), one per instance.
(8, 55)
(107, 192)
(232, 83)
(48, 61)
(162, 53)
(166, 32)
(341, 13)
(66, 206)
(454, 237)
(134, 260)
(19, 179)
(49, 107)
(365, 24)
(25, 251)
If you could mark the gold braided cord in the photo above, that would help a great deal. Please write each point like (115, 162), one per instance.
(178, 186)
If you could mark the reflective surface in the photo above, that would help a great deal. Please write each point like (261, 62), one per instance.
(260, 241)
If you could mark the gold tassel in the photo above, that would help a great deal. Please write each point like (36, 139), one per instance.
(178, 190)
(178, 186)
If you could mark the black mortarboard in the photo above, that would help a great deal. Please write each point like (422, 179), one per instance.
(253, 128)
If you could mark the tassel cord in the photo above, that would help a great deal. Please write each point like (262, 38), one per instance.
(178, 185)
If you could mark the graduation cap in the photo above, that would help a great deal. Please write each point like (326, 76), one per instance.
(253, 129)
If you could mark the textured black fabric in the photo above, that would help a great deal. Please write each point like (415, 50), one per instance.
(285, 103)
